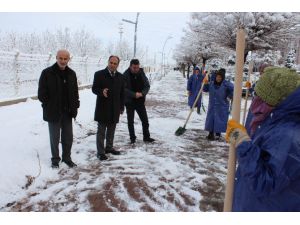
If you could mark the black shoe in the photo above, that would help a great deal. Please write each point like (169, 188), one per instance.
(102, 157)
(149, 139)
(211, 137)
(55, 165)
(112, 151)
(70, 163)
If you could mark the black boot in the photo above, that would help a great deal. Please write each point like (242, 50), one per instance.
(102, 157)
(148, 139)
(211, 136)
(55, 165)
(70, 163)
(132, 141)
(112, 151)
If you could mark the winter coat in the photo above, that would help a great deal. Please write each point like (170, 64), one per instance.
(144, 87)
(268, 174)
(194, 85)
(248, 121)
(218, 106)
(50, 93)
(213, 76)
(108, 109)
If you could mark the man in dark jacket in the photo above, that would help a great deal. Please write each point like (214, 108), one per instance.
(58, 92)
(108, 85)
(136, 88)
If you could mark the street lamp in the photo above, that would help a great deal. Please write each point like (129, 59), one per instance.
(168, 55)
(162, 55)
(135, 31)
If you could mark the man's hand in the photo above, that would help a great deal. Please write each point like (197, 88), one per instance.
(138, 95)
(105, 92)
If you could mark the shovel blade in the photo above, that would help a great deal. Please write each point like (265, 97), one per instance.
(180, 131)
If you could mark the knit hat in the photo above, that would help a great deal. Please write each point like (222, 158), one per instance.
(276, 84)
(221, 72)
(196, 68)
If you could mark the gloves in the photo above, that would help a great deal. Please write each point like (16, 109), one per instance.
(248, 84)
(236, 133)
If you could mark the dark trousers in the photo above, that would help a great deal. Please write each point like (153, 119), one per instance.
(64, 129)
(212, 134)
(105, 131)
(142, 113)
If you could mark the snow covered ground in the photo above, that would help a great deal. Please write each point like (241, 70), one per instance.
(185, 173)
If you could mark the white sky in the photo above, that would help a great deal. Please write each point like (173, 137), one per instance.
(158, 19)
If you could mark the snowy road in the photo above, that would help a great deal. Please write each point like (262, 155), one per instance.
(185, 173)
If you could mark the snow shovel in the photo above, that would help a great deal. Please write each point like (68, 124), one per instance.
(181, 130)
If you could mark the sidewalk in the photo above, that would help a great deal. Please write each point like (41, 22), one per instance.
(185, 173)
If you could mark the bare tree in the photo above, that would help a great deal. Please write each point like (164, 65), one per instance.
(48, 41)
(265, 30)
(29, 42)
(80, 42)
(84, 43)
(63, 38)
(123, 50)
(10, 41)
(193, 50)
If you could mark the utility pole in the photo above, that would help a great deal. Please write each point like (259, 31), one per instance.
(135, 31)
(121, 31)
(120, 42)
(146, 60)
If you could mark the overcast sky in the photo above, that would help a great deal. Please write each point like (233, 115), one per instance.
(153, 28)
(102, 19)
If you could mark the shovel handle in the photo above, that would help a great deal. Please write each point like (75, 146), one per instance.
(196, 100)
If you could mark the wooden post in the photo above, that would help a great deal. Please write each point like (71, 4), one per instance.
(49, 58)
(247, 91)
(236, 108)
(16, 78)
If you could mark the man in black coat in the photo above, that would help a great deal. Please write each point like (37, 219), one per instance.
(58, 92)
(108, 85)
(136, 88)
